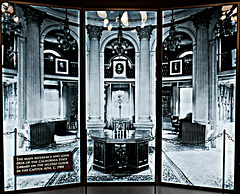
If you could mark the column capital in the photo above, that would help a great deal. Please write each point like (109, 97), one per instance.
(33, 16)
(202, 18)
(94, 31)
(145, 32)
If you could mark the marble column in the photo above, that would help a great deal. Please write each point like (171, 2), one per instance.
(109, 103)
(21, 82)
(42, 77)
(144, 121)
(213, 87)
(32, 68)
(95, 120)
(201, 69)
(194, 70)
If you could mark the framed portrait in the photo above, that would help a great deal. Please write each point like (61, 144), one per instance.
(61, 66)
(176, 67)
(119, 68)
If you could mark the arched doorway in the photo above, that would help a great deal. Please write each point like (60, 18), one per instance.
(119, 78)
(61, 77)
(177, 77)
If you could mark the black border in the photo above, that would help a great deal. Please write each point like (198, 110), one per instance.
(237, 108)
(159, 5)
(1, 119)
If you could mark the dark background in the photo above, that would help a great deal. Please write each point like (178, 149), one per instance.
(134, 4)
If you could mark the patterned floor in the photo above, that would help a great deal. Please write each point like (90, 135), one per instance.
(60, 178)
(171, 173)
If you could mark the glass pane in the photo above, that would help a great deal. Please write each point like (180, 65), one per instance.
(198, 96)
(40, 96)
(120, 60)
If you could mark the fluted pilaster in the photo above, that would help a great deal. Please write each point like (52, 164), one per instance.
(144, 119)
(32, 68)
(95, 82)
(201, 68)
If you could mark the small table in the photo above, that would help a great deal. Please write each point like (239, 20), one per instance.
(114, 154)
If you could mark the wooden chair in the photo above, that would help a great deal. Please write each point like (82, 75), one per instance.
(73, 122)
(176, 123)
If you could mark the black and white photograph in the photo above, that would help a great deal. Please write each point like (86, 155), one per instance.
(101, 97)
(40, 87)
(176, 67)
(120, 55)
(62, 66)
(198, 96)
(119, 68)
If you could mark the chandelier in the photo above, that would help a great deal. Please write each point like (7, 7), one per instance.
(227, 24)
(172, 42)
(119, 46)
(65, 41)
(10, 21)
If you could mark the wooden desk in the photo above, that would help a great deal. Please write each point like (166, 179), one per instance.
(42, 132)
(130, 153)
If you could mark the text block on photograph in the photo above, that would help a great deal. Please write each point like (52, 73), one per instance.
(43, 163)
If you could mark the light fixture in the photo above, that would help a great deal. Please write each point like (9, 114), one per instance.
(172, 42)
(120, 46)
(10, 21)
(227, 23)
(102, 14)
(66, 41)
(120, 95)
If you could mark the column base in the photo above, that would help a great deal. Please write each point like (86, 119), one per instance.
(144, 123)
(95, 123)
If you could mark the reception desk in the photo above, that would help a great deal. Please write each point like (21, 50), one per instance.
(115, 154)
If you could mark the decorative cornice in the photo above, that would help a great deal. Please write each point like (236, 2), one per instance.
(145, 32)
(94, 31)
(33, 16)
(202, 18)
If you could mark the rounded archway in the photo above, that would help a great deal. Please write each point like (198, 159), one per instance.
(179, 48)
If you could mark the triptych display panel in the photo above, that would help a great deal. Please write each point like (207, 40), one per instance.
(121, 62)
(41, 96)
(198, 96)
(40, 83)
